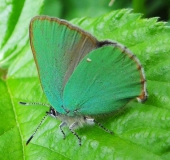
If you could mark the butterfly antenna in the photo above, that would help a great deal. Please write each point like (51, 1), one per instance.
(34, 103)
(36, 129)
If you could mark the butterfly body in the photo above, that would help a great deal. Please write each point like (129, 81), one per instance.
(81, 76)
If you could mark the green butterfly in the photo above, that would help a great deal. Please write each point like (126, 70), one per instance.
(81, 76)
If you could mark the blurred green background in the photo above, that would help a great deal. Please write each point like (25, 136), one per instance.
(69, 9)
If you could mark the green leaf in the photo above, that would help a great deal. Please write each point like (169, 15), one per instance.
(15, 16)
(141, 131)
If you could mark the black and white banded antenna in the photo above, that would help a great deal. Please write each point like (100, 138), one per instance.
(36, 129)
(34, 103)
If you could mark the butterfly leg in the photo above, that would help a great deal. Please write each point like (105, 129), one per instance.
(92, 121)
(61, 126)
(71, 127)
(101, 126)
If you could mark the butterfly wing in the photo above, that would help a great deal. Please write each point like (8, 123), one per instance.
(105, 80)
(57, 47)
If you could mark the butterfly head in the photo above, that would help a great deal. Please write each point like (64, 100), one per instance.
(52, 112)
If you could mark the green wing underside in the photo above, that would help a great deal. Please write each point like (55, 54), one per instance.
(78, 76)
(105, 80)
(57, 47)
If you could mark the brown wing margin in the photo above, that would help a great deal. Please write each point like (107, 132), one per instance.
(143, 96)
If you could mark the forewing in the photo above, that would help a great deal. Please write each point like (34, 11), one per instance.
(57, 47)
(105, 80)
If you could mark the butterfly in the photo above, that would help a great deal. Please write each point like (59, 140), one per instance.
(81, 76)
